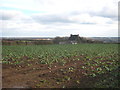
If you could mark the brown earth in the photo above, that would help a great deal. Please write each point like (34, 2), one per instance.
(71, 75)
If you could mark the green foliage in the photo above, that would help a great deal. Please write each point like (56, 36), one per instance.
(48, 54)
(98, 58)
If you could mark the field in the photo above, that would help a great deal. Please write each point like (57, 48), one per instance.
(60, 66)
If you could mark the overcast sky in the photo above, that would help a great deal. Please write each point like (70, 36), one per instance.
(50, 18)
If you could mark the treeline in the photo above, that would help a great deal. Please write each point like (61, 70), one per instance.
(34, 42)
(66, 40)
(56, 40)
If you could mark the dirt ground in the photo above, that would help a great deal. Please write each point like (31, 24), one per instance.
(71, 75)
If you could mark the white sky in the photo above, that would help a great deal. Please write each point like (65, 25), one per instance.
(50, 18)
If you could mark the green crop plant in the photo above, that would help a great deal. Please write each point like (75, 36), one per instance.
(97, 58)
(48, 54)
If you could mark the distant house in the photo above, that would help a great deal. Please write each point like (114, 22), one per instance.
(74, 39)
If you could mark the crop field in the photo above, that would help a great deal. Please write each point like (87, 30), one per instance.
(60, 66)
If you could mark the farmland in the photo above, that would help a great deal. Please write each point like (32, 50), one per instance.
(60, 66)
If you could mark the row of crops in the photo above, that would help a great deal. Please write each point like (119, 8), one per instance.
(98, 58)
(47, 54)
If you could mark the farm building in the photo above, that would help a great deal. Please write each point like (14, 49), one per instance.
(74, 39)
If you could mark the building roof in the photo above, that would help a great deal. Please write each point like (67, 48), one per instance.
(74, 37)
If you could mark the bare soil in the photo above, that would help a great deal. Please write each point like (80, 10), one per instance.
(71, 75)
